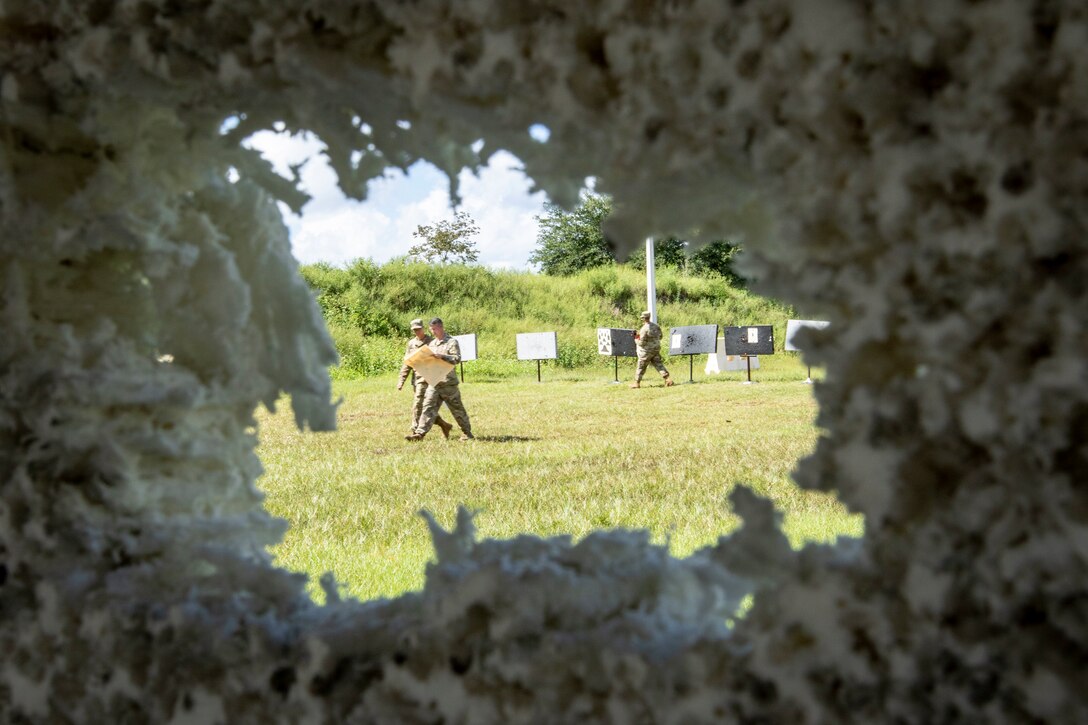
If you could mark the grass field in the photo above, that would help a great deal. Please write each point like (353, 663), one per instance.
(566, 456)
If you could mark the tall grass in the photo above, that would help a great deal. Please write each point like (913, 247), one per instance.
(368, 307)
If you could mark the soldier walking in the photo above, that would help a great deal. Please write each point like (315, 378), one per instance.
(648, 344)
(419, 339)
(448, 391)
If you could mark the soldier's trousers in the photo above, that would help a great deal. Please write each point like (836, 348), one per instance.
(417, 404)
(644, 362)
(433, 398)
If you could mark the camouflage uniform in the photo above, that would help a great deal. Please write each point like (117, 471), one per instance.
(418, 383)
(649, 350)
(448, 391)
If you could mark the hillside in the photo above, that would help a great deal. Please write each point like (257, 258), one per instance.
(368, 307)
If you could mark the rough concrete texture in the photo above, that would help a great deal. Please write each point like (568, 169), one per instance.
(917, 172)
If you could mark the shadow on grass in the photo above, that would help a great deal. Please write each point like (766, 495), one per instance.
(505, 439)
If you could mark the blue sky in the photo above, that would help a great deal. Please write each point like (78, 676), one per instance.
(335, 229)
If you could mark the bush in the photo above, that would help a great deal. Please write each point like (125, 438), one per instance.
(363, 356)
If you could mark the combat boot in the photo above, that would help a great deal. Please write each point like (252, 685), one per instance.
(467, 436)
(446, 428)
(669, 383)
(414, 437)
(636, 384)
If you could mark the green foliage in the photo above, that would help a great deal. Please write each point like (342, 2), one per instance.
(717, 258)
(668, 252)
(364, 356)
(449, 240)
(368, 308)
(569, 242)
(572, 242)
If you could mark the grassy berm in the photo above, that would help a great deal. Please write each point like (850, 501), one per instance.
(368, 308)
(565, 456)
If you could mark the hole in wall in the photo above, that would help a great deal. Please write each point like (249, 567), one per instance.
(375, 553)
(859, 663)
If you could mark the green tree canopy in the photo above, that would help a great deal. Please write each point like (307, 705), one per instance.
(449, 240)
(717, 258)
(568, 242)
(668, 252)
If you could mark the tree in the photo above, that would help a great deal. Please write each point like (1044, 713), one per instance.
(447, 240)
(668, 252)
(568, 242)
(717, 258)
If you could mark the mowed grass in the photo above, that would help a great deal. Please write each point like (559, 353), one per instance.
(565, 456)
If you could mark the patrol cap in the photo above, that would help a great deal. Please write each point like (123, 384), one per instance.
(417, 324)
(436, 320)
(646, 315)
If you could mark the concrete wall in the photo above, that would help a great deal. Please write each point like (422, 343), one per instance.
(914, 171)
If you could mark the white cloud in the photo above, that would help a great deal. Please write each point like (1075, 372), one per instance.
(500, 202)
(335, 229)
(339, 235)
(431, 208)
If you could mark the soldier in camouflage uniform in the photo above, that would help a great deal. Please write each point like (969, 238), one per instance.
(648, 344)
(448, 391)
(419, 339)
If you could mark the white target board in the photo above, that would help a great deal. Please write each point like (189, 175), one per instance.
(795, 326)
(693, 340)
(467, 344)
(537, 346)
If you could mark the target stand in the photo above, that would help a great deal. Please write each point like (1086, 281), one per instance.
(691, 341)
(793, 327)
(467, 343)
(748, 342)
(616, 342)
(537, 346)
(749, 381)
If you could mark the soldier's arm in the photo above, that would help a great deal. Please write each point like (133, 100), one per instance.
(453, 352)
(404, 369)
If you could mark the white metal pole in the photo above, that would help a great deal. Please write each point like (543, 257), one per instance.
(651, 284)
